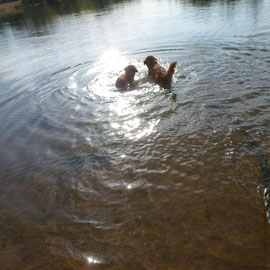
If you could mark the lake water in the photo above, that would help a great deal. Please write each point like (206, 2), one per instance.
(149, 178)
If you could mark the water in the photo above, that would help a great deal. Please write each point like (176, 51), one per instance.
(95, 178)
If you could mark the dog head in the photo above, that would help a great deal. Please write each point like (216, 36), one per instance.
(150, 61)
(130, 70)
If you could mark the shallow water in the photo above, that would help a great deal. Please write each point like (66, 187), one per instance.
(95, 178)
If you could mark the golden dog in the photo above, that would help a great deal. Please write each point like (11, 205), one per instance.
(127, 78)
(159, 74)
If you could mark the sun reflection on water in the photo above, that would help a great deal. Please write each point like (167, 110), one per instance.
(92, 260)
(113, 60)
(128, 122)
(107, 69)
(123, 109)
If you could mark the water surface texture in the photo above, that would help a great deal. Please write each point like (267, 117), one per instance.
(95, 178)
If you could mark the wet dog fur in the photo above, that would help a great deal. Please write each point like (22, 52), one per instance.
(159, 74)
(126, 79)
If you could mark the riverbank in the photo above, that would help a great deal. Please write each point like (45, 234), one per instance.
(17, 5)
(10, 5)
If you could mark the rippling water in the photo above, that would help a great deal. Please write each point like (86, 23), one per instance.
(95, 178)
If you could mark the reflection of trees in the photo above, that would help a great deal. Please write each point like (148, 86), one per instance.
(207, 2)
(13, 19)
(47, 10)
(81, 5)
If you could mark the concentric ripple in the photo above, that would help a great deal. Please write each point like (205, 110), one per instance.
(93, 177)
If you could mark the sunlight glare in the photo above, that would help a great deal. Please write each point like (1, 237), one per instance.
(92, 260)
(112, 60)
(108, 68)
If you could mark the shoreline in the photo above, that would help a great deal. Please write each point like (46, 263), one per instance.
(4, 7)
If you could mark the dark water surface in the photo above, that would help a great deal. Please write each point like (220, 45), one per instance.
(95, 178)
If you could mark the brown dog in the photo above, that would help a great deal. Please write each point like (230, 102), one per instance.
(159, 74)
(127, 78)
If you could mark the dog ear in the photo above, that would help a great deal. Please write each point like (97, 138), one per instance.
(146, 60)
(150, 60)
